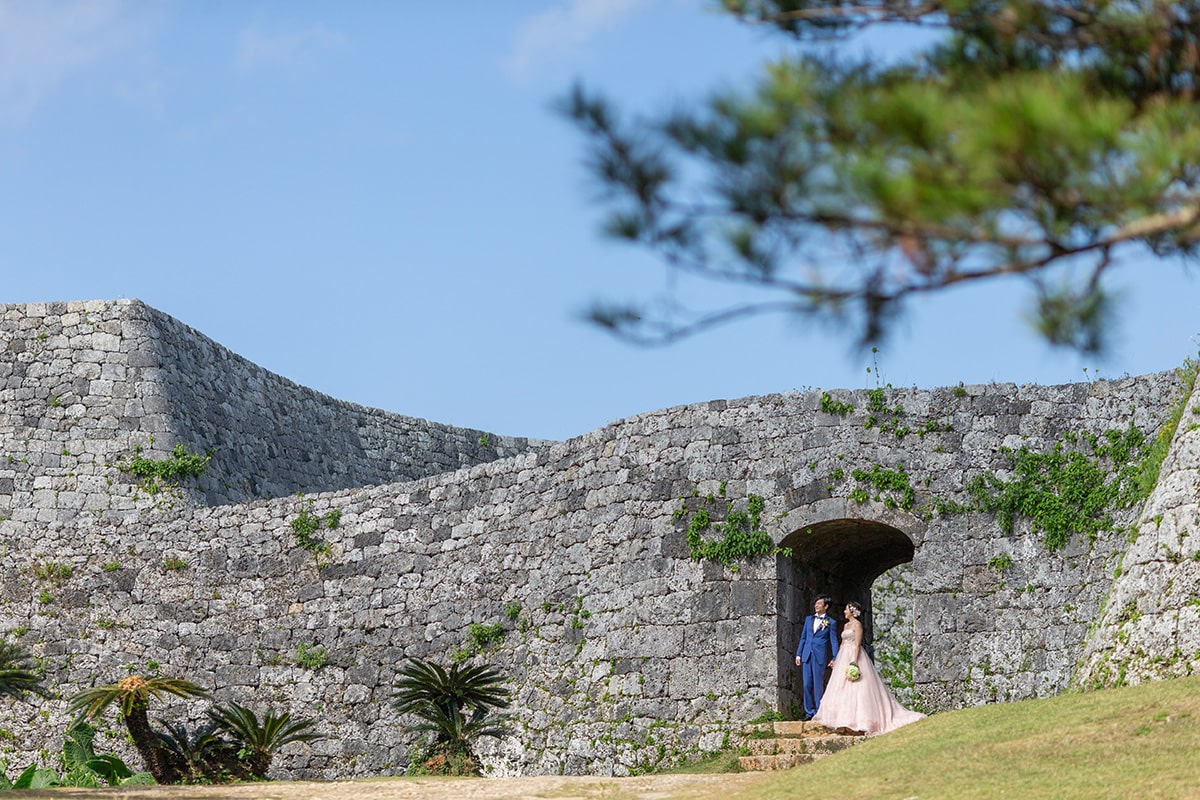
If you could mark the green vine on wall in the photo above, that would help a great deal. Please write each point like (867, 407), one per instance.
(893, 487)
(306, 524)
(1075, 489)
(739, 533)
(836, 407)
(156, 474)
(482, 638)
(878, 413)
(1064, 491)
(1147, 477)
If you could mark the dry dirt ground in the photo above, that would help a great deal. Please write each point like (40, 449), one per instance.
(648, 787)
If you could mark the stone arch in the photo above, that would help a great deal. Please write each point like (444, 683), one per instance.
(839, 549)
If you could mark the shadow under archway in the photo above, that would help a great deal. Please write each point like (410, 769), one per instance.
(840, 558)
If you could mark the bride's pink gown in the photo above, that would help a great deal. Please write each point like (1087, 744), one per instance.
(863, 705)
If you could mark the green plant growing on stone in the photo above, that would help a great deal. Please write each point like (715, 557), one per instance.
(483, 636)
(1000, 563)
(112, 566)
(480, 638)
(306, 525)
(54, 572)
(1064, 491)
(173, 563)
(456, 706)
(894, 486)
(896, 666)
(311, 656)
(931, 426)
(836, 407)
(156, 474)
(740, 534)
(1156, 452)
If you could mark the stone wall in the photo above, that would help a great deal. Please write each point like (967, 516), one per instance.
(1150, 626)
(83, 385)
(624, 653)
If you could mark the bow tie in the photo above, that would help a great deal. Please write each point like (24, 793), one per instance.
(820, 616)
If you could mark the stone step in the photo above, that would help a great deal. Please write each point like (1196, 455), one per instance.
(782, 761)
(788, 744)
(787, 728)
(807, 744)
(784, 728)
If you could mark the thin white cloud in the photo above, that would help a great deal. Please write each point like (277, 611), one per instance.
(43, 43)
(561, 32)
(256, 49)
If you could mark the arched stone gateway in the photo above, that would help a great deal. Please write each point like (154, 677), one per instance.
(840, 553)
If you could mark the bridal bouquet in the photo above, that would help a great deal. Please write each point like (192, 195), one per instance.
(853, 673)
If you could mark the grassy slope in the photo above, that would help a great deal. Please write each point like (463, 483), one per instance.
(1136, 742)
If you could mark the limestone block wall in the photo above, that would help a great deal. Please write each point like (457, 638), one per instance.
(624, 652)
(83, 384)
(1150, 625)
(615, 644)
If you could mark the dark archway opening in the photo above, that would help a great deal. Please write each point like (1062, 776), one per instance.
(840, 558)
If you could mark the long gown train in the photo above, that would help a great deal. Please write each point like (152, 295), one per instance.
(864, 705)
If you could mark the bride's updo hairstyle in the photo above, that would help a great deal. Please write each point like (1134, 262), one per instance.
(855, 609)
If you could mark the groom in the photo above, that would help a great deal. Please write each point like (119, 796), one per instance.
(818, 647)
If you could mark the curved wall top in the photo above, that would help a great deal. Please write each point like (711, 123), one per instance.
(83, 384)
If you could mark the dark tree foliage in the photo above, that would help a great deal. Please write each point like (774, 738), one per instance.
(233, 745)
(1041, 140)
(18, 674)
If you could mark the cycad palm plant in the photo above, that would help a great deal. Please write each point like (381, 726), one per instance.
(132, 696)
(440, 697)
(203, 752)
(17, 673)
(260, 740)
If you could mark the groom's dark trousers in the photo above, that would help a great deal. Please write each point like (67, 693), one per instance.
(817, 648)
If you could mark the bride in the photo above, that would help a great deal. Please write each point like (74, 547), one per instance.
(861, 703)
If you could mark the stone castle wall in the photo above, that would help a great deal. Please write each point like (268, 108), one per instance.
(1150, 626)
(83, 385)
(625, 653)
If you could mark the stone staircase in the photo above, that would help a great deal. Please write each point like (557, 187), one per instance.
(783, 745)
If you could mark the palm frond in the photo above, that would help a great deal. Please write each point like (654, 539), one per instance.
(456, 729)
(17, 672)
(200, 749)
(129, 693)
(419, 683)
(273, 732)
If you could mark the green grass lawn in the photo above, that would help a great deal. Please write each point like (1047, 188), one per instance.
(1136, 742)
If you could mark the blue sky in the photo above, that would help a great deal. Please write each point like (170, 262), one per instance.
(375, 199)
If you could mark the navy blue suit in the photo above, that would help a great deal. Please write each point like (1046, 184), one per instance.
(817, 648)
